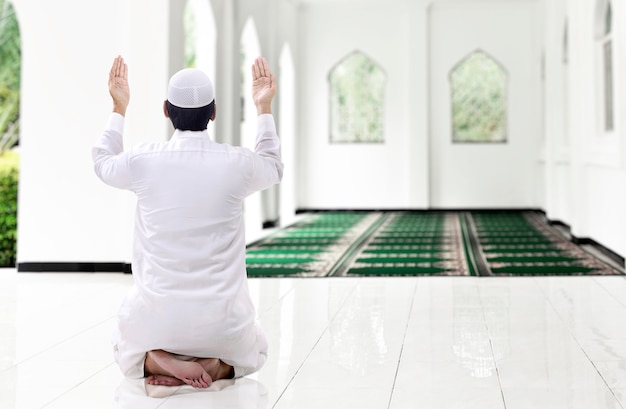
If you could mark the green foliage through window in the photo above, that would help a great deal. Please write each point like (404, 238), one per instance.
(357, 88)
(190, 36)
(479, 97)
(10, 67)
(10, 61)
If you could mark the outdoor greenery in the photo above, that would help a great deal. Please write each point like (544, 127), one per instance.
(10, 63)
(357, 91)
(8, 208)
(478, 100)
(190, 36)
(10, 60)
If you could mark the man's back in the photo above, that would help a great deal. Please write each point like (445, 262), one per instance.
(189, 233)
(190, 296)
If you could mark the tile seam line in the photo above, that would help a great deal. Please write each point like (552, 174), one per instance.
(276, 304)
(406, 329)
(79, 383)
(317, 341)
(495, 361)
(620, 302)
(575, 339)
(56, 344)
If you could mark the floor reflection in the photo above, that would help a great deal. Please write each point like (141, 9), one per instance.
(481, 329)
(243, 393)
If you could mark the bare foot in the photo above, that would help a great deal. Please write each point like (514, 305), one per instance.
(163, 380)
(216, 368)
(159, 362)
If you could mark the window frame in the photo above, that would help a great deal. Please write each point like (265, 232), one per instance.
(505, 125)
(605, 68)
(331, 139)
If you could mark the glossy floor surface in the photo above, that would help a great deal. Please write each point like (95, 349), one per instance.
(426, 342)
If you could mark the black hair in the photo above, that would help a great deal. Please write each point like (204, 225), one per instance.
(190, 119)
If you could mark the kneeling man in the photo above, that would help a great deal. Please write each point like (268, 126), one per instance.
(189, 318)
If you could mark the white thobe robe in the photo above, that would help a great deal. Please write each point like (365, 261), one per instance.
(190, 295)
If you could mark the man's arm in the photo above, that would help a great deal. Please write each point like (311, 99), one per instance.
(268, 167)
(110, 161)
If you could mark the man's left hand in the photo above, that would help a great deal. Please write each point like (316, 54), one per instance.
(118, 86)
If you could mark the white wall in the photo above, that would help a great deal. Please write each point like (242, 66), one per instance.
(585, 166)
(399, 173)
(65, 212)
(600, 156)
(556, 156)
(482, 175)
(359, 175)
(276, 22)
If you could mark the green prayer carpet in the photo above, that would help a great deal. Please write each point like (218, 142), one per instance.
(306, 248)
(524, 243)
(414, 243)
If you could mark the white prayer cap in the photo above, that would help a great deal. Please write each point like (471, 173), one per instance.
(190, 88)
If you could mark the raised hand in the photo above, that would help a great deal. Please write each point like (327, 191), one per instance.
(263, 86)
(118, 85)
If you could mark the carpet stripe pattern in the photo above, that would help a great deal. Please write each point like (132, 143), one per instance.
(523, 243)
(309, 247)
(411, 243)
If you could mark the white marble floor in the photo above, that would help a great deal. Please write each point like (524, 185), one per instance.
(428, 342)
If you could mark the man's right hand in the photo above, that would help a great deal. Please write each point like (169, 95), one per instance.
(118, 86)
(263, 86)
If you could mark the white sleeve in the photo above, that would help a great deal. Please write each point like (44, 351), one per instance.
(110, 161)
(267, 163)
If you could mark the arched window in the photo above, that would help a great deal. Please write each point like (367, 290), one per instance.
(10, 63)
(566, 82)
(200, 36)
(190, 24)
(10, 71)
(479, 96)
(200, 41)
(357, 91)
(287, 131)
(249, 48)
(604, 40)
